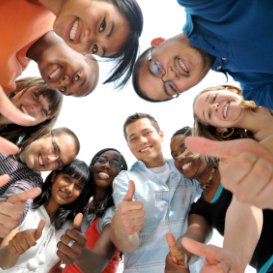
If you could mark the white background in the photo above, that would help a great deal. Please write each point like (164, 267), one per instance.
(98, 119)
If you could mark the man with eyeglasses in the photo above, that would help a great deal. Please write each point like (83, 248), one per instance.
(232, 37)
(48, 152)
(151, 199)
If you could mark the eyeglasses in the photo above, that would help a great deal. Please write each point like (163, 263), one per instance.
(157, 69)
(56, 152)
(112, 163)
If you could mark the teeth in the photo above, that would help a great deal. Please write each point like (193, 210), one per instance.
(54, 73)
(186, 166)
(103, 175)
(73, 31)
(144, 149)
(23, 109)
(225, 110)
(183, 66)
(41, 162)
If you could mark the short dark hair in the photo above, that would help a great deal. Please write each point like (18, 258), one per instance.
(187, 131)
(76, 169)
(126, 57)
(133, 118)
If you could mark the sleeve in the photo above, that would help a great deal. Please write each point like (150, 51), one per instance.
(200, 207)
(262, 95)
(106, 219)
(120, 187)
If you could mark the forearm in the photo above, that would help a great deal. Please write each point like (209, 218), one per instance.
(243, 227)
(7, 259)
(125, 243)
(198, 230)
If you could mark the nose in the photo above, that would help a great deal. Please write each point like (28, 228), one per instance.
(69, 187)
(65, 81)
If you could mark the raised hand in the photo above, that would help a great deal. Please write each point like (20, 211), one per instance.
(23, 240)
(11, 211)
(72, 243)
(246, 168)
(217, 259)
(132, 214)
(175, 260)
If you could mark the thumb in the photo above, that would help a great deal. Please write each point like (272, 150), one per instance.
(39, 230)
(197, 248)
(24, 196)
(78, 221)
(175, 252)
(131, 190)
(4, 179)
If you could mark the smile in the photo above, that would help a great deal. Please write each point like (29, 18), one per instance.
(73, 30)
(225, 110)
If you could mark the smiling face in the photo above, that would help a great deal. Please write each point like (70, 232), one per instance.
(49, 152)
(34, 104)
(106, 168)
(172, 67)
(65, 189)
(67, 70)
(145, 142)
(185, 161)
(220, 108)
(93, 26)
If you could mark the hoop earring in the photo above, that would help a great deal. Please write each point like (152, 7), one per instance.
(227, 134)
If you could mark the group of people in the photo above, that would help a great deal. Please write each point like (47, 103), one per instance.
(159, 214)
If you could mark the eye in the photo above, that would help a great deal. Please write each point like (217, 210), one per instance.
(102, 26)
(35, 96)
(77, 77)
(44, 112)
(156, 68)
(94, 49)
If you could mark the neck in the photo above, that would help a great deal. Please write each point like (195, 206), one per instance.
(155, 163)
(99, 195)
(51, 208)
(53, 5)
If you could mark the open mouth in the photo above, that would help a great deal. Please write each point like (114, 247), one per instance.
(181, 67)
(146, 149)
(103, 175)
(225, 110)
(73, 31)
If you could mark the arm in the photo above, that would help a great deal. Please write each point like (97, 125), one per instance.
(99, 257)
(243, 226)
(127, 221)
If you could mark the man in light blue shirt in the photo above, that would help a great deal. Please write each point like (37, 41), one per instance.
(152, 199)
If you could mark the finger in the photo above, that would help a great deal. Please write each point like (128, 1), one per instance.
(24, 196)
(131, 190)
(38, 232)
(4, 179)
(222, 149)
(9, 110)
(78, 221)
(8, 147)
(175, 252)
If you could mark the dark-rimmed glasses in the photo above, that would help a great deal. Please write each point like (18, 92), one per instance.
(112, 163)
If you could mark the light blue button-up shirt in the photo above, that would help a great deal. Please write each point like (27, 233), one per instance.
(166, 205)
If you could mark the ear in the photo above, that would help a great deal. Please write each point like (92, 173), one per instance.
(156, 41)
(161, 135)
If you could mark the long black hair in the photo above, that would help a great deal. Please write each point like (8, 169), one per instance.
(100, 208)
(77, 169)
(126, 57)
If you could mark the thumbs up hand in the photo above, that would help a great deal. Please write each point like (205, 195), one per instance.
(72, 242)
(23, 240)
(176, 259)
(130, 214)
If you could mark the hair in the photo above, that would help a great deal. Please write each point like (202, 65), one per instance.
(188, 131)
(13, 131)
(57, 132)
(133, 118)
(100, 208)
(126, 57)
(77, 169)
(212, 132)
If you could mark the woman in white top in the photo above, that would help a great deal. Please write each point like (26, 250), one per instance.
(32, 246)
